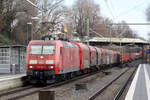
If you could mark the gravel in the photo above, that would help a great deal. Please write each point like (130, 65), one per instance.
(94, 83)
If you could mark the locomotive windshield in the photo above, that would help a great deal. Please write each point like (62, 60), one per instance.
(42, 49)
(48, 49)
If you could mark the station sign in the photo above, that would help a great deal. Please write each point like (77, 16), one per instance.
(148, 51)
(26, 45)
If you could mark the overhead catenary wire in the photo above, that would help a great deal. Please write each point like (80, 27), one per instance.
(109, 9)
(131, 24)
(114, 15)
(97, 33)
(133, 8)
(113, 8)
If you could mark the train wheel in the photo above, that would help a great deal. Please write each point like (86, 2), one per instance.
(58, 78)
(68, 76)
(72, 75)
(41, 83)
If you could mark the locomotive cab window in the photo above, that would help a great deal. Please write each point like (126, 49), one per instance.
(42, 49)
(35, 49)
(48, 49)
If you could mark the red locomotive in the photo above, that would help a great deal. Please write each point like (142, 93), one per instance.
(51, 60)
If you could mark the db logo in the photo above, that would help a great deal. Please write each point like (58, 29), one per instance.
(41, 61)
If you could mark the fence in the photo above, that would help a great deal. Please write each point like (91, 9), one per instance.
(12, 59)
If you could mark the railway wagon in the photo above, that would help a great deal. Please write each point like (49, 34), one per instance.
(117, 59)
(114, 54)
(93, 56)
(128, 57)
(84, 55)
(109, 56)
(104, 57)
(98, 57)
(124, 58)
(112, 57)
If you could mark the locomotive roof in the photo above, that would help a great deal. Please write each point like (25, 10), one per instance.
(47, 40)
(42, 40)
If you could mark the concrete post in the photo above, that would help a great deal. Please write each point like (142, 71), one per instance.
(81, 86)
(46, 95)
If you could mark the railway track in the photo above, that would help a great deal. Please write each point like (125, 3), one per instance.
(33, 90)
(97, 93)
(13, 91)
(119, 94)
(20, 93)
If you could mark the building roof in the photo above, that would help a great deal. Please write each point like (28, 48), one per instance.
(118, 40)
(12, 46)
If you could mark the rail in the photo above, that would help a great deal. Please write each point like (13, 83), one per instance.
(97, 93)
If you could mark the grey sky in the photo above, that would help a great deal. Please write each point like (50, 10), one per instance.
(132, 11)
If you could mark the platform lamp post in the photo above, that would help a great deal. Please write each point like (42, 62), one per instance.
(31, 28)
(110, 32)
(87, 29)
(120, 35)
(29, 24)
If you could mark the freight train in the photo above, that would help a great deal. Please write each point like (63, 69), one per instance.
(52, 60)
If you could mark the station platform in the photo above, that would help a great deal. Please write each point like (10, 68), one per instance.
(8, 81)
(10, 76)
(140, 86)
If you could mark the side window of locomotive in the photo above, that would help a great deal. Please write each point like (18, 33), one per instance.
(67, 44)
(70, 45)
(48, 49)
(74, 46)
(64, 44)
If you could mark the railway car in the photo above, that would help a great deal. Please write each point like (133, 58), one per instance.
(118, 61)
(84, 56)
(103, 57)
(93, 56)
(124, 58)
(114, 59)
(128, 57)
(98, 57)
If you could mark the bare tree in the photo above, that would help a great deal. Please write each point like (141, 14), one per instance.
(122, 30)
(47, 14)
(7, 15)
(50, 16)
(22, 32)
(82, 11)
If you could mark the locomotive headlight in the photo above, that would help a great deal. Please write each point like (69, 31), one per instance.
(33, 62)
(49, 61)
(51, 67)
(31, 67)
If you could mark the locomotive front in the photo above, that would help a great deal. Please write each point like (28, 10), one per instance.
(40, 61)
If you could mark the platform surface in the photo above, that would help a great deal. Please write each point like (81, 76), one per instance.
(140, 86)
(10, 76)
